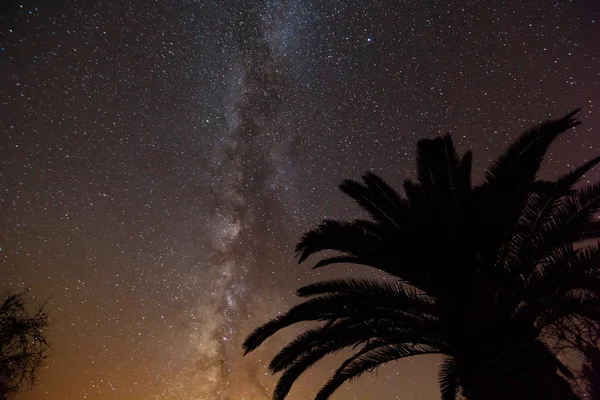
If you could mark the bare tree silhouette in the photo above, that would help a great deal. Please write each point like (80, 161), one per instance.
(23, 343)
(591, 372)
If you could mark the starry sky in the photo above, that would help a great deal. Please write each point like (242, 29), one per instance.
(160, 159)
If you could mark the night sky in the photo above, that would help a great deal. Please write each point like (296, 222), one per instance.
(160, 159)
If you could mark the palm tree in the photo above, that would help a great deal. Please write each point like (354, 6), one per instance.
(478, 274)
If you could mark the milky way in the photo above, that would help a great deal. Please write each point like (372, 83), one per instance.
(159, 160)
(242, 198)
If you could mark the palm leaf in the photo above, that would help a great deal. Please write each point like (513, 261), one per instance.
(342, 305)
(572, 219)
(566, 269)
(343, 259)
(370, 286)
(352, 337)
(369, 361)
(499, 201)
(380, 200)
(520, 163)
(344, 237)
(579, 303)
(449, 377)
(358, 330)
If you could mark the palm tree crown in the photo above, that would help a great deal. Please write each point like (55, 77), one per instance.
(480, 273)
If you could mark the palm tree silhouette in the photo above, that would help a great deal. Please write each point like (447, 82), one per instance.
(478, 274)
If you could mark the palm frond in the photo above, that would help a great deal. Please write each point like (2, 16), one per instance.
(299, 366)
(414, 192)
(303, 343)
(425, 149)
(344, 237)
(449, 377)
(499, 201)
(380, 200)
(340, 333)
(571, 178)
(408, 310)
(464, 169)
(581, 303)
(406, 299)
(445, 167)
(370, 286)
(549, 223)
(566, 269)
(374, 181)
(520, 163)
(361, 243)
(357, 330)
(589, 200)
(444, 179)
(572, 219)
(343, 259)
(370, 361)
(351, 338)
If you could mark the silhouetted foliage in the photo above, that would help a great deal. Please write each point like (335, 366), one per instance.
(580, 338)
(23, 343)
(479, 274)
(591, 372)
